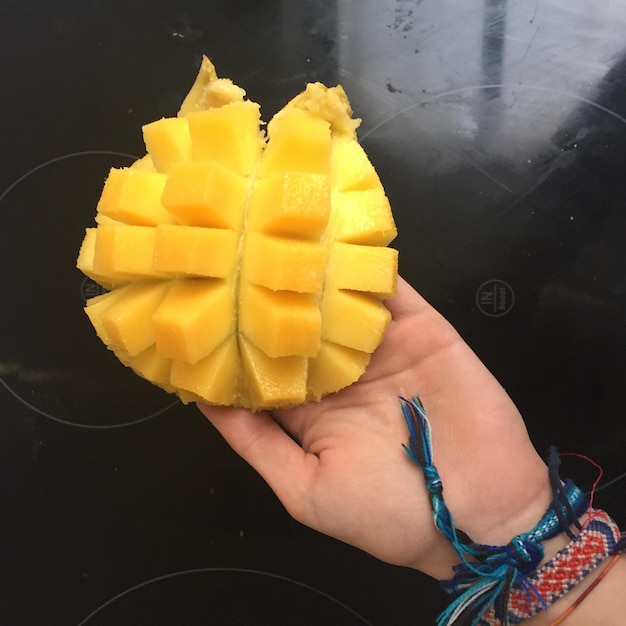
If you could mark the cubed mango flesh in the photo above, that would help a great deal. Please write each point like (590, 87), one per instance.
(281, 323)
(125, 251)
(228, 134)
(128, 321)
(98, 304)
(363, 217)
(274, 381)
(133, 196)
(195, 251)
(168, 142)
(284, 264)
(370, 269)
(245, 271)
(335, 367)
(350, 168)
(353, 319)
(85, 263)
(291, 204)
(298, 142)
(193, 319)
(152, 366)
(214, 379)
(206, 194)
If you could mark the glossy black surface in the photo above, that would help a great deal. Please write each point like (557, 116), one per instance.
(498, 129)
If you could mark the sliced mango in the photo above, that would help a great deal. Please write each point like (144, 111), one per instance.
(245, 270)
(125, 251)
(273, 381)
(370, 269)
(205, 194)
(99, 304)
(298, 142)
(152, 366)
(213, 379)
(228, 135)
(335, 367)
(350, 168)
(195, 251)
(128, 321)
(291, 204)
(353, 319)
(281, 323)
(363, 217)
(193, 319)
(85, 263)
(168, 142)
(133, 196)
(285, 264)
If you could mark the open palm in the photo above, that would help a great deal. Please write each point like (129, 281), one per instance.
(338, 465)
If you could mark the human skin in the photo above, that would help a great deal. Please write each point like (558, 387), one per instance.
(338, 465)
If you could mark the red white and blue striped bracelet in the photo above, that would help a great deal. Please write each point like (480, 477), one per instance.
(597, 540)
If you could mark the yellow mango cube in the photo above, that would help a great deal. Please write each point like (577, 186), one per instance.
(290, 204)
(334, 368)
(350, 169)
(284, 264)
(168, 142)
(353, 319)
(145, 164)
(125, 251)
(213, 379)
(281, 323)
(228, 134)
(297, 142)
(85, 263)
(109, 221)
(195, 251)
(273, 381)
(372, 269)
(205, 194)
(193, 319)
(150, 365)
(96, 307)
(128, 321)
(133, 196)
(363, 217)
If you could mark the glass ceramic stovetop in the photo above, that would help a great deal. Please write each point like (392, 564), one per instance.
(498, 129)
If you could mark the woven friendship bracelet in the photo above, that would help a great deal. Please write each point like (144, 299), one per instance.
(500, 585)
(597, 540)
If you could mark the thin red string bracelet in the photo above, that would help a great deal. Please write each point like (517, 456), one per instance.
(592, 586)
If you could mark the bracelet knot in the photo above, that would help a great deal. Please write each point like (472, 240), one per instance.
(524, 554)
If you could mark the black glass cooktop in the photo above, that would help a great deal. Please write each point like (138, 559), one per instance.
(499, 131)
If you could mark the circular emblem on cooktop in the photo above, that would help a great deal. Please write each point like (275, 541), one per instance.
(90, 289)
(495, 297)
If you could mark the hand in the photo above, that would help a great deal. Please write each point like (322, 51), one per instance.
(348, 476)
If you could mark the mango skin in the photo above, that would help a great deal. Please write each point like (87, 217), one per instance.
(245, 269)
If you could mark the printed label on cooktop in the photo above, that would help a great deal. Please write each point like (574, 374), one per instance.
(90, 289)
(495, 298)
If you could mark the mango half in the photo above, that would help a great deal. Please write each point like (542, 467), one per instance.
(244, 268)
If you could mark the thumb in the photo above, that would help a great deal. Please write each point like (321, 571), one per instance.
(260, 441)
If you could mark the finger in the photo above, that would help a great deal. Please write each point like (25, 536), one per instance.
(262, 443)
(407, 301)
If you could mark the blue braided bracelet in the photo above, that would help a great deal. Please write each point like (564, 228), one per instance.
(487, 576)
